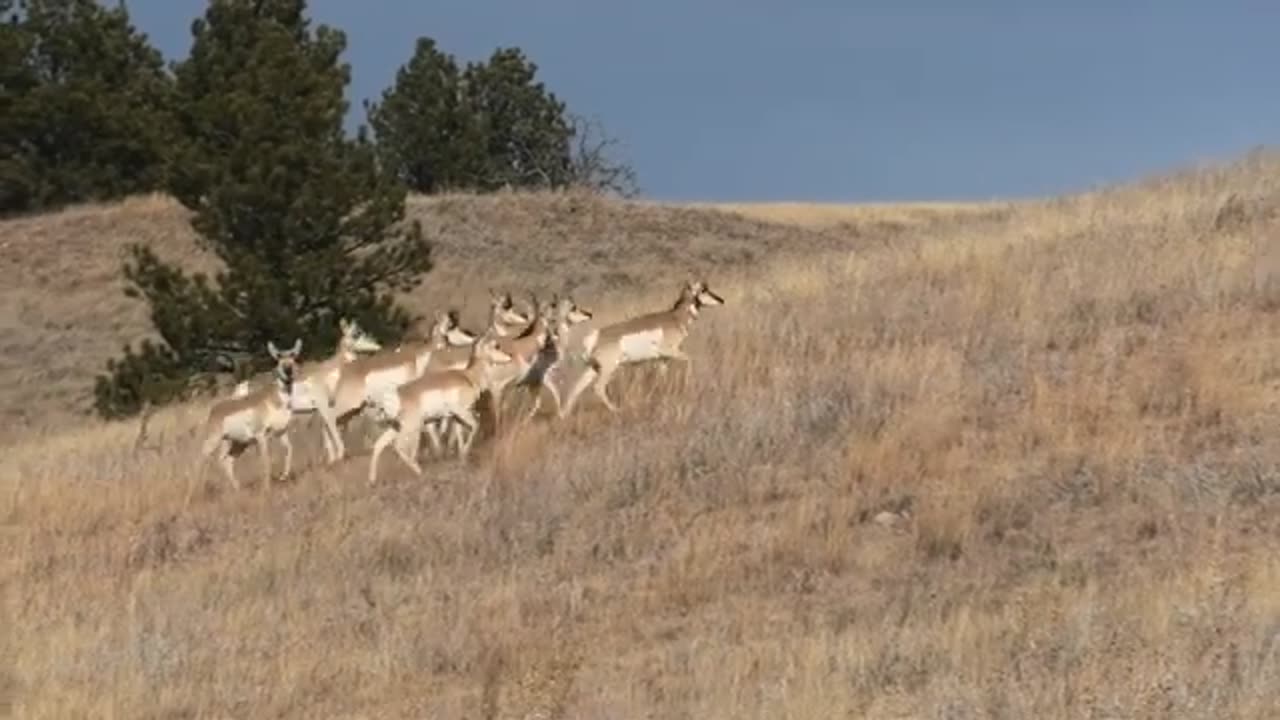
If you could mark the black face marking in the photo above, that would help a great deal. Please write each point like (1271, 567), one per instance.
(284, 372)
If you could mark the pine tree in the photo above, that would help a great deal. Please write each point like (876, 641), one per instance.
(308, 228)
(425, 135)
(486, 126)
(526, 132)
(84, 105)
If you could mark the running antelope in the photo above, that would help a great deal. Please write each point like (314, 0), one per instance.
(502, 315)
(653, 336)
(458, 357)
(313, 391)
(254, 417)
(534, 355)
(366, 377)
(402, 410)
(538, 350)
(543, 374)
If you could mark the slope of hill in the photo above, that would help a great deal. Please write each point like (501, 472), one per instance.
(1015, 465)
(66, 314)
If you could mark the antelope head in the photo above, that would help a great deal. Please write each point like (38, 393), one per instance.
(445, 322)
(560, 315)
(286, 363)
(696, 294)
(454, 333)
(355, 340)
(485, 354)
(570, 311)
(503, 310)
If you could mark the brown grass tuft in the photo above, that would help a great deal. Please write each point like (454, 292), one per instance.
(996, 464)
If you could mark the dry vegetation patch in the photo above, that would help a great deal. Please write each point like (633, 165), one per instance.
(1017, 465)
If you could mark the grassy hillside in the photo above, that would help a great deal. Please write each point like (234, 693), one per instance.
(1016, 463)
(64, 313)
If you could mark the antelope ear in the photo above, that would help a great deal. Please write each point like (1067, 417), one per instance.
(271, 348)
(297, 347)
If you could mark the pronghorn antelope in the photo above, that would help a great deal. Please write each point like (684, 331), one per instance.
(367, 376)
(534, 353)
(504, 317)
(538, 350)
(653, 336)
(521, 349)
(457, 357)
(402, 410)
(542, 375)
(254, 417)
(314, 389)
(504, 321)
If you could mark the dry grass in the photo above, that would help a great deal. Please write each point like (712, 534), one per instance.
(1072, 405)
(828, 215)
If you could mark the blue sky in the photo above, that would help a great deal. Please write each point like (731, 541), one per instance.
(857, 101)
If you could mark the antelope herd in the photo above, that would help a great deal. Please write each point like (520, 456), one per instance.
(432, 384)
